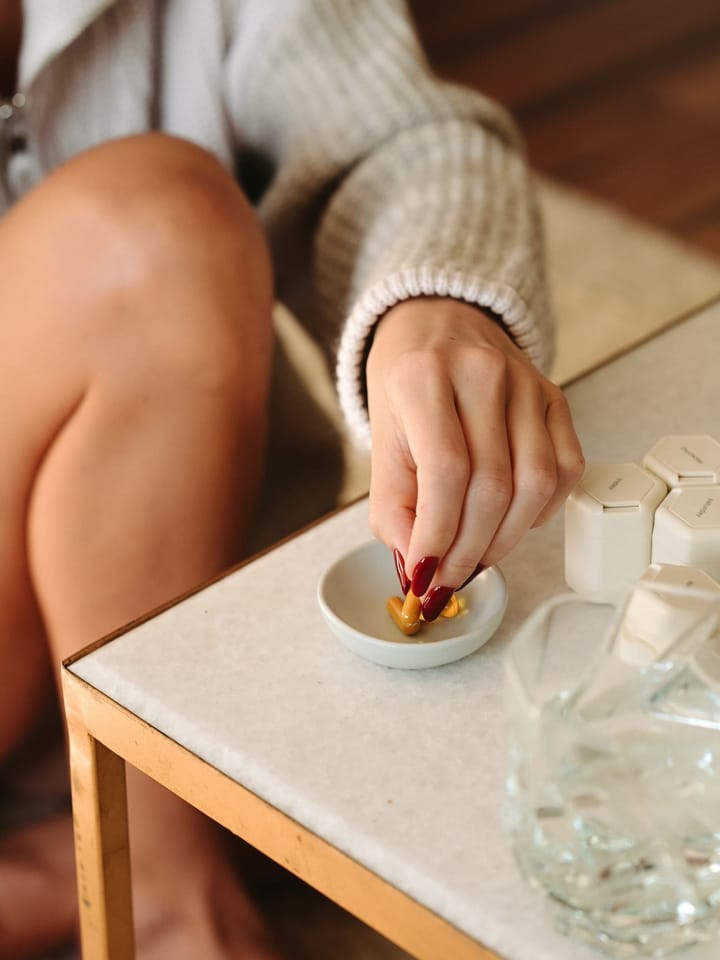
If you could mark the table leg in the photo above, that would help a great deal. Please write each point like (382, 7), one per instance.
(101, 847)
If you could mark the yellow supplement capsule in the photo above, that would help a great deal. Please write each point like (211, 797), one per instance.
(453, 607)
(405, 614)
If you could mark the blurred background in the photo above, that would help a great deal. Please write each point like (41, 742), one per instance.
(619, 98)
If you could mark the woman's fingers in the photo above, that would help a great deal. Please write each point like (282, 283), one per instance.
(420, 463)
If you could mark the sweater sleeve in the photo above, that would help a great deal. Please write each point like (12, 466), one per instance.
(384, 183)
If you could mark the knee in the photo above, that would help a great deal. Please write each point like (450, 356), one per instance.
(157, 252)
(152, 203)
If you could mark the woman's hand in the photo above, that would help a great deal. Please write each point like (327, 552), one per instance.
(471, 445)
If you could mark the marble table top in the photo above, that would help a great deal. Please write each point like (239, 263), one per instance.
(401, 770)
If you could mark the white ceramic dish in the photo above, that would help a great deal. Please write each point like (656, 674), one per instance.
(352, 594)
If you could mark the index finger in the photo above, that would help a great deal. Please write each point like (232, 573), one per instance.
(437, 445)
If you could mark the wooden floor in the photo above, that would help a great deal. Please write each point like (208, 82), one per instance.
(620, 98)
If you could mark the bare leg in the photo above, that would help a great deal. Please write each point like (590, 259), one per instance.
(134, 366)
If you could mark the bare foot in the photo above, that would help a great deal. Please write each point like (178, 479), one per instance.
(209, 915)
(221, 923)
(37, 888)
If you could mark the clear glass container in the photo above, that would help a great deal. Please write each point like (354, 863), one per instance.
(613, 785)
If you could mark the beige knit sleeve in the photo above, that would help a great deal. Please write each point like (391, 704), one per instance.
(386, 184)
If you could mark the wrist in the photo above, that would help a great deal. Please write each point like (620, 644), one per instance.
(424, 321)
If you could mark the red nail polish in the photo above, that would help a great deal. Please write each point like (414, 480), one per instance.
(435, 602)
(423, 574)
(478, 569)
(400, 570)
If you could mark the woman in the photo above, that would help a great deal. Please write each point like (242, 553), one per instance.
(170, 170)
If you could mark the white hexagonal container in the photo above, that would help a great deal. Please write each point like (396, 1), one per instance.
(687, 528)
(688, 460)
(608, 529)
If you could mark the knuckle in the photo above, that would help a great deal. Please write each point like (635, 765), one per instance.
(411, 367)
(493, 363)
(494, 488)
(452, 464)
(539, 481)
(375, 522)
(378, 518)
(572, 467)
(446, 473)
(418, 364)
(556, 397)
(461, 567)
(495, 554)
(427, 362)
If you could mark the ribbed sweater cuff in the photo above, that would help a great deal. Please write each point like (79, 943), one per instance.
(405, 284)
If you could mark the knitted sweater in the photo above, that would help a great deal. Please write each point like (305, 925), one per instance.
(375, 182)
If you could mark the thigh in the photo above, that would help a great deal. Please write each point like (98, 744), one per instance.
(136, 327)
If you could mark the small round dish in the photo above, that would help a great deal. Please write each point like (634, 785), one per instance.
(352, 594)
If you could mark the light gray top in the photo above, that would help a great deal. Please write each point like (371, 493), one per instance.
(402, 770)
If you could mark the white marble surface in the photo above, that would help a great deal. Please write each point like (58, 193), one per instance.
(401, 770)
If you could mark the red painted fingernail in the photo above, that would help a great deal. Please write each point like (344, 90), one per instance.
(423, 574)
(478, 569)
(435, 602)
(400, 570)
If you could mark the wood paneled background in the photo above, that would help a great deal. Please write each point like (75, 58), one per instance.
(620, 98)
